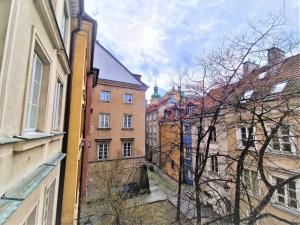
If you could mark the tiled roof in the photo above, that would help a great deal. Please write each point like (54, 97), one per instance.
(288, 70)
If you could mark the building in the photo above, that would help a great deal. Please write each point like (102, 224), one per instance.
(118, 118)
(176, 120)
(34, 70)
(274, 90)
(154, 112)
(163, 134)
(78, 112)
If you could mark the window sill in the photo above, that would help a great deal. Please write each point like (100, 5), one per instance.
(107, 128)
(282, 153)
(28, 136)
(105, 101)
(31, 140)
(286, 209)
(241, 147)
(123, 128)
(7, 141)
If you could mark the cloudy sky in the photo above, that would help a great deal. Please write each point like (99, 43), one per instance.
(156, 37)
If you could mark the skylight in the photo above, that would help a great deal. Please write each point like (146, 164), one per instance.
(248, 94)
(278, 87)
(262, 75)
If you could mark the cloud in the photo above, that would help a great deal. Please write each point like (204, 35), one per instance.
(156, 37)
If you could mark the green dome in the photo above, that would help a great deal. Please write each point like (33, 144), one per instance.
(155, 94)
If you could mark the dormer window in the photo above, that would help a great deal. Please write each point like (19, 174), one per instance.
(262, 75)
(191, 109)
(277, 88)
(247, 95)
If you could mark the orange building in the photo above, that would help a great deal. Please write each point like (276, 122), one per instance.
(118, 118)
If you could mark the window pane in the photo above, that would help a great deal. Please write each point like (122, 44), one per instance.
(275, 141)
(31, 218)
(38, 70)
(33, 117)
(35, 93)
(254, 181)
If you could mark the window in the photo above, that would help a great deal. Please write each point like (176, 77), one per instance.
(105, 96)
(57, 105)
(247, 95)
(31, 219)
(102, 151)
(262, 75)
(104, 120)
(214, 164)
(287, 195)
(128, 98)
(34, 94)
(127, 122)
(186, 129)
(278, 87)
(245, 132)
(191, 109)
(251, 181)
(281, 139)
(53, 4)
(213, 136)
(127, 149)
(63, 22)
(49, 204)
(172, 164)
(187, 151)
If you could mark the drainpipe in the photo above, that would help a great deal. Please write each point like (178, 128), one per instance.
(67, 119)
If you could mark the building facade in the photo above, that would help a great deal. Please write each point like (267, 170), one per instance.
(34, 71)
(78, 112)
(118, 118)
(273, 91)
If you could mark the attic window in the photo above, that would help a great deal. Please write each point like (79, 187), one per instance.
(262, 75)
(278, 87)
(247, 95)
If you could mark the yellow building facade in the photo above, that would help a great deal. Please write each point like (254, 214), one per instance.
(84, 31)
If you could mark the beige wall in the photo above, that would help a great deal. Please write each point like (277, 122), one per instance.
(23, 31)
(117, 108)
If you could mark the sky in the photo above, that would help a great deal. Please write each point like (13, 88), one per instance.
(155, 38)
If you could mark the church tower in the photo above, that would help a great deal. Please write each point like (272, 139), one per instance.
(155, 97)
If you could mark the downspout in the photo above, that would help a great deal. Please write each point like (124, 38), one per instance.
(67, 120)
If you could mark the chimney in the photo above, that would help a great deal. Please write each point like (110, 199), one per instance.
(248, 67)
(275, 55)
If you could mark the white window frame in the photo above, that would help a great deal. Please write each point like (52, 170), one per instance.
(127, 148)
(46, 207)
(30, 103)
(239, 136)
(286, 194)
(103, 147)
(34, 208)
(105, 96)
(105, 117)
(127, 121)
(281, 142)
(251, 181)
(126, 98)
(57, 104)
